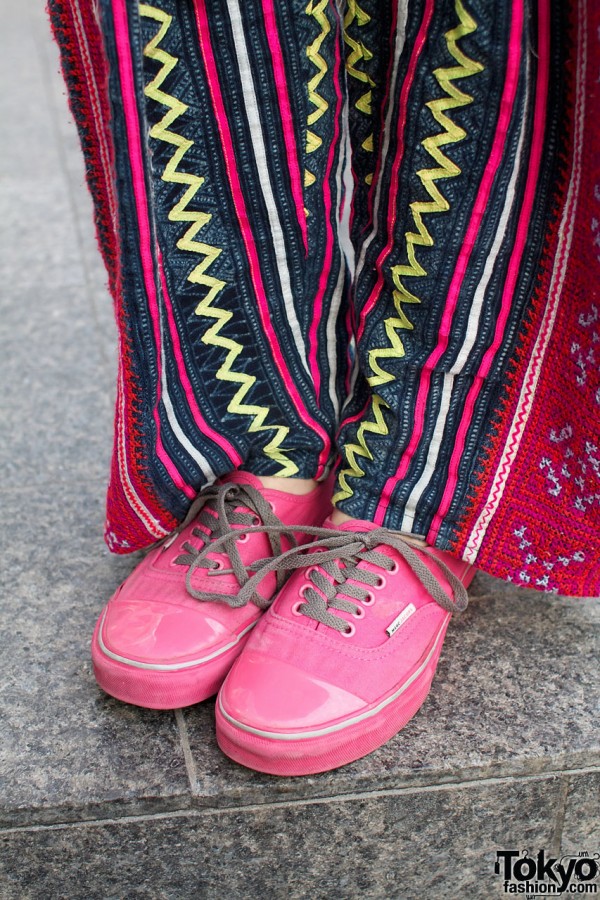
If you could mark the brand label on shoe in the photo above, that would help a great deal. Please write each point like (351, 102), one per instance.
(400, 620)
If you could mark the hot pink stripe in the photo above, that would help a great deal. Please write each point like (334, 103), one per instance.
(313, 340)
(392, 207)
(139, 189)
(199, 419)
(487, 181)
(245, 228)
(98, 122)
(513, 269)
(287, 120)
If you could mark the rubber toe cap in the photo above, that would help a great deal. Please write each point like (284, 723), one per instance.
(160, 633)
(271, 695)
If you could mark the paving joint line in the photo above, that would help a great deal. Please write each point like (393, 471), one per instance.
(559, 823)
(196, 813)
(190, 764)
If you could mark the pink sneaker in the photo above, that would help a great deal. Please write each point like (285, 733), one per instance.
(169, 635)
(346, 654)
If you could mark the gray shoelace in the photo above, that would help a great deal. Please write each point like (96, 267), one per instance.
(217, 534)
(335, 557)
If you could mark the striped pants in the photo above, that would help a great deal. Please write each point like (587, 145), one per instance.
(332, 231)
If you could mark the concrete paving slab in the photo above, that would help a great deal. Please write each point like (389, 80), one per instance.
(55, 448)
(406, 846)
(69, 750)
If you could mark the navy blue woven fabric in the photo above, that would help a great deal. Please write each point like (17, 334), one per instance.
(249, 116)
(331, 219)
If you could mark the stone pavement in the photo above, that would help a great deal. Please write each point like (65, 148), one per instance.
(101, 800)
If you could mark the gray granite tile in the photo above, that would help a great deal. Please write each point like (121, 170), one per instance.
(69, 164)
(54, 531)
(81, 207)
(50, 436)
(57, 360)
(50, 340)
(515, 692)
(26, 117)
(68, 751)
(581, 829)
(56, 409)
(32, 252)
(403, 846)
(41, 244)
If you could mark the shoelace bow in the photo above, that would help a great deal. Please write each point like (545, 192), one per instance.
(338, 555)
(220, 536)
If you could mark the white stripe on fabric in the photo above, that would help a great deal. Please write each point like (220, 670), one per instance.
(400, 39)
(470, 335)
(332, 343)
(264, 180)
(527, 394)
(432, 457)
(348, 188)
(343, 220)
(176, 428)
(187, 445)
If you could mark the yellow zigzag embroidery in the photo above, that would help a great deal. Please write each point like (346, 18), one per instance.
(352, 451)
(446, 169)
(313, 141)
(199, 276)
(358, 53)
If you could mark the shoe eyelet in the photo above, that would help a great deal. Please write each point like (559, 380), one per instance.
(360, 613)
(178, 552)
(242, 538)
(395, 568)
(296, 608)
(306, 585)
(369, 599)
(217, 564)
(381, 582)
(350, 631)
(256, 520)
(272, 505)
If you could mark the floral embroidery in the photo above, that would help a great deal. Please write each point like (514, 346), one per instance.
(536, 572)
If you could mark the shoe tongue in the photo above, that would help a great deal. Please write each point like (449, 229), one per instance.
(350, 525)
(239, 477)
